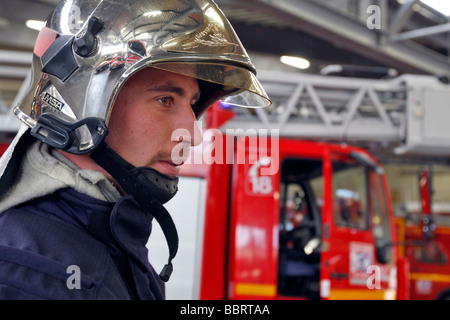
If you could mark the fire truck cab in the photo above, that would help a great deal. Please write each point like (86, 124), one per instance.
(335, 224)
(323, 231)
(299, 220)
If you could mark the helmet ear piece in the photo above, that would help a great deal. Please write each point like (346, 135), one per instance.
(68, 136)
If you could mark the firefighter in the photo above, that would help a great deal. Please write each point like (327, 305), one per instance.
(93, 163)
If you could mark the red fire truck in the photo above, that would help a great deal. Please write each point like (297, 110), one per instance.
(283, 219)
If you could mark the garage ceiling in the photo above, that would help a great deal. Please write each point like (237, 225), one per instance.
(324, 31)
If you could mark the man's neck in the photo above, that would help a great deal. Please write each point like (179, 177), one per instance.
(85, 162)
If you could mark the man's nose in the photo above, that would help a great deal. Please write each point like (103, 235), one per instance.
(190, 123)
(197, 136)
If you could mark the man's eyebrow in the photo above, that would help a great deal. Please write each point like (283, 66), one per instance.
(169, 87)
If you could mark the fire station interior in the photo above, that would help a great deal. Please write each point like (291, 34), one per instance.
(352, 87)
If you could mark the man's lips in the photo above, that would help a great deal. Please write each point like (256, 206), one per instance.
(175, 163)
(168, 167)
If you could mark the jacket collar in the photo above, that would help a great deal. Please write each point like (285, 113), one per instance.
(38, 171)
(123, 223)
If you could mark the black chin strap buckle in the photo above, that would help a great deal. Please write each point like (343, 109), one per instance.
(166, 272)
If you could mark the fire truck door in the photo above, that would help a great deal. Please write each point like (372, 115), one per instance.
(252, 260)
(355, 251)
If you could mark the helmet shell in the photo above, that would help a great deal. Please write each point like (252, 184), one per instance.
(89, 48)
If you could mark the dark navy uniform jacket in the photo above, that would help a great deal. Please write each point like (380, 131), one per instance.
(45, 241)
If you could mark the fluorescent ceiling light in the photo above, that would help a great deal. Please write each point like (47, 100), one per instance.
(440, 5)
(3, 23)
(35, 24)
(295, 62)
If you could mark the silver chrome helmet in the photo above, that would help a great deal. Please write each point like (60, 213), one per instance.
(89, 48)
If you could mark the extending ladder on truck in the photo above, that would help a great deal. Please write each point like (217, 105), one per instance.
(408, 113)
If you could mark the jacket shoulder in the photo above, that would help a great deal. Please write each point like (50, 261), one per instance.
(46, 258)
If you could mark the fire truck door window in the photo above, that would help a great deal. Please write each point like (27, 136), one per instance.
(380, 220)
(350, 195)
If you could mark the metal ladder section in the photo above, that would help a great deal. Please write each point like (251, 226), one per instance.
(407, 111)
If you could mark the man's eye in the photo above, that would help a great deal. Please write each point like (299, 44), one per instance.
(165, 101)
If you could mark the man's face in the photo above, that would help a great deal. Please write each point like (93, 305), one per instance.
(149, 108)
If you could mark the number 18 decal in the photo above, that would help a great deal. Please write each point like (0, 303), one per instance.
(260, 184)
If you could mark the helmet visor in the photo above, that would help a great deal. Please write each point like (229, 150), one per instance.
(239, 86)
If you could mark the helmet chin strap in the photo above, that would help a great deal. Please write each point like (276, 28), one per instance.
(150, 188)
